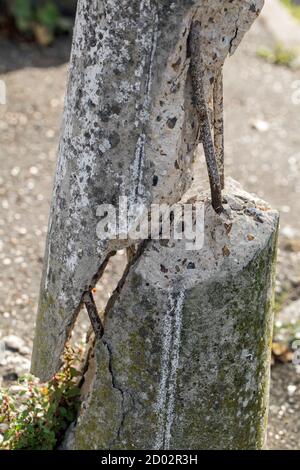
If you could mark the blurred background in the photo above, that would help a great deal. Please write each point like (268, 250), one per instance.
(262, 112)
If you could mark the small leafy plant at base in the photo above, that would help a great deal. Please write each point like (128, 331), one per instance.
(36, 415)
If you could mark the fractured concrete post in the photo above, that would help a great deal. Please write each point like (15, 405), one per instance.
(184, 359)
(129, 129)
(184, 362)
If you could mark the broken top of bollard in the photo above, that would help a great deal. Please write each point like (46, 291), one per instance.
(130, 130)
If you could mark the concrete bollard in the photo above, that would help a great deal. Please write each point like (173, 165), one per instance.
(129, 131)
(185, 358)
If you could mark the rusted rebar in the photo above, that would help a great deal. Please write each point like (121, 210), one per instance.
(92, 311)
(219, 123)
(197, 74)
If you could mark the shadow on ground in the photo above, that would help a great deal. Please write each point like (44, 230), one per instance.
(19, 55)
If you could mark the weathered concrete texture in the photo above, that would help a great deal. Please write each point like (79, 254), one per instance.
(129, 130)
(184, 361)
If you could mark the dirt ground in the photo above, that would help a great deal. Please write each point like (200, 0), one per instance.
(262, 152)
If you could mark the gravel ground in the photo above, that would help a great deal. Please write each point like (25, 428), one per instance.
(262, 152)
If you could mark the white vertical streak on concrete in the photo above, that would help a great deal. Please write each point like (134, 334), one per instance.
(169, 366)
(165, 359)
(174, 366)
(139, 161)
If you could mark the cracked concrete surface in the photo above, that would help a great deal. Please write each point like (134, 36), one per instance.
(174, 336)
